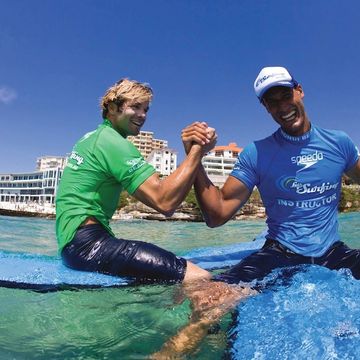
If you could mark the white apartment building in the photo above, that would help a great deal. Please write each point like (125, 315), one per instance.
(219, 162)
(35, 187)
(146, 143)
(164, 160)
(50, 162)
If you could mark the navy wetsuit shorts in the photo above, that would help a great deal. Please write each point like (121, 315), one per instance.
(274, 255)
(94, 249)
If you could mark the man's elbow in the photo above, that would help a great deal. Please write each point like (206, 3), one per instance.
(211, 225)
(213, 222)
(168, 213)
(166, 209)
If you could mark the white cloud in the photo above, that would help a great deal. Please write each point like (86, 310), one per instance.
(7, 95)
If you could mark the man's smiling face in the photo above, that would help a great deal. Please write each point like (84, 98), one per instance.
(128, 119)
(286, 107)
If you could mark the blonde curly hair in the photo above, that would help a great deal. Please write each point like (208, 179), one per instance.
(125, 90)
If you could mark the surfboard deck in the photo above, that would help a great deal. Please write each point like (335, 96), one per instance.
(212, 258)
(47, 273)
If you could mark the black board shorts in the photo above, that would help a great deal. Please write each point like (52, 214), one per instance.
(94, 249)
(275, 255)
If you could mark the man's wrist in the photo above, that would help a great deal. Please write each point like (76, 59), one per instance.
(195, 151)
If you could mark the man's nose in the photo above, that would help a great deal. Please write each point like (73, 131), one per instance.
(283, 106)
(141, 113)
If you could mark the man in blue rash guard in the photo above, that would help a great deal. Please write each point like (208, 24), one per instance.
(298, 171)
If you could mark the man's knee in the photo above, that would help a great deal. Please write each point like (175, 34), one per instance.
(194, 272)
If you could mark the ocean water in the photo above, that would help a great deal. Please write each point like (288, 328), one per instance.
(314, 316)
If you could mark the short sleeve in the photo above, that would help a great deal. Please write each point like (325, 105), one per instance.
(350, 151)
(122, 160)
(245, 167)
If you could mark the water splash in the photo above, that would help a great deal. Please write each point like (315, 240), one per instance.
(315, 315)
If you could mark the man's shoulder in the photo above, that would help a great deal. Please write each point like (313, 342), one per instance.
(100, 132)
(267, 141)
(261, 146)
(108, 136)
(108, 132)
(331, 135)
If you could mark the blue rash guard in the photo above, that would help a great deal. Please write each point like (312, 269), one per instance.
(299, 180)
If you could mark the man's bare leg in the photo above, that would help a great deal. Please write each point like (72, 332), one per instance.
(210, 300)
(194, 273)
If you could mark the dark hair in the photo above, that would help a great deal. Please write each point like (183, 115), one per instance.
(105, 110)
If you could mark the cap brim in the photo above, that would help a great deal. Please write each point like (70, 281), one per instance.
(289, 84)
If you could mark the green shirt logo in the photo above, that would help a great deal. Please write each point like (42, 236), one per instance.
(75, 156)
(135, 164)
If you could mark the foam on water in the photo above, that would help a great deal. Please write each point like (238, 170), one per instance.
(315, 315)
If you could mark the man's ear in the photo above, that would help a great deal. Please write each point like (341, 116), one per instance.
(300, 90)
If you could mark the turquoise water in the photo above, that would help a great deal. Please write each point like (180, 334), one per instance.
(133, 322)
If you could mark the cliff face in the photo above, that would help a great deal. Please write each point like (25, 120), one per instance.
(350, 198)
(251, 211)
(138, 210)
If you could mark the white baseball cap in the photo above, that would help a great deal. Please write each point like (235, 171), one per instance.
(270, 77)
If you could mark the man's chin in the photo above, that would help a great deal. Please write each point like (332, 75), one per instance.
(133, 132)
(294, 128)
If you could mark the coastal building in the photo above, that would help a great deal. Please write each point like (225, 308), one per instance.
(50, 162)
(31, 189)
(146, 143)
(38, 187)
(164, 160)
(219, 162)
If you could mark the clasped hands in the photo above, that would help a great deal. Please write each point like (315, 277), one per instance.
(199, 135)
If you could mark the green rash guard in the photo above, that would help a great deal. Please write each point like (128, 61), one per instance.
(101, 165)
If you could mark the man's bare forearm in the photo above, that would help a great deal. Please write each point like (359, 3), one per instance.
(208, 196)
(175, 187)
(167, 194)
(184, 341)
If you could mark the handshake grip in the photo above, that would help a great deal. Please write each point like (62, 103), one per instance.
(200, 136)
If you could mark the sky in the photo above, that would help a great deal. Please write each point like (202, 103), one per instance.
(201, 57)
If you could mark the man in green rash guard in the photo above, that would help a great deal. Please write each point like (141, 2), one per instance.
(102, 164)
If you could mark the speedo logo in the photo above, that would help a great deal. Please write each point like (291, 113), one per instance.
(307, 160)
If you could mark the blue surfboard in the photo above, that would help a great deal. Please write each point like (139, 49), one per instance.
(47, 273)
(212, 258)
